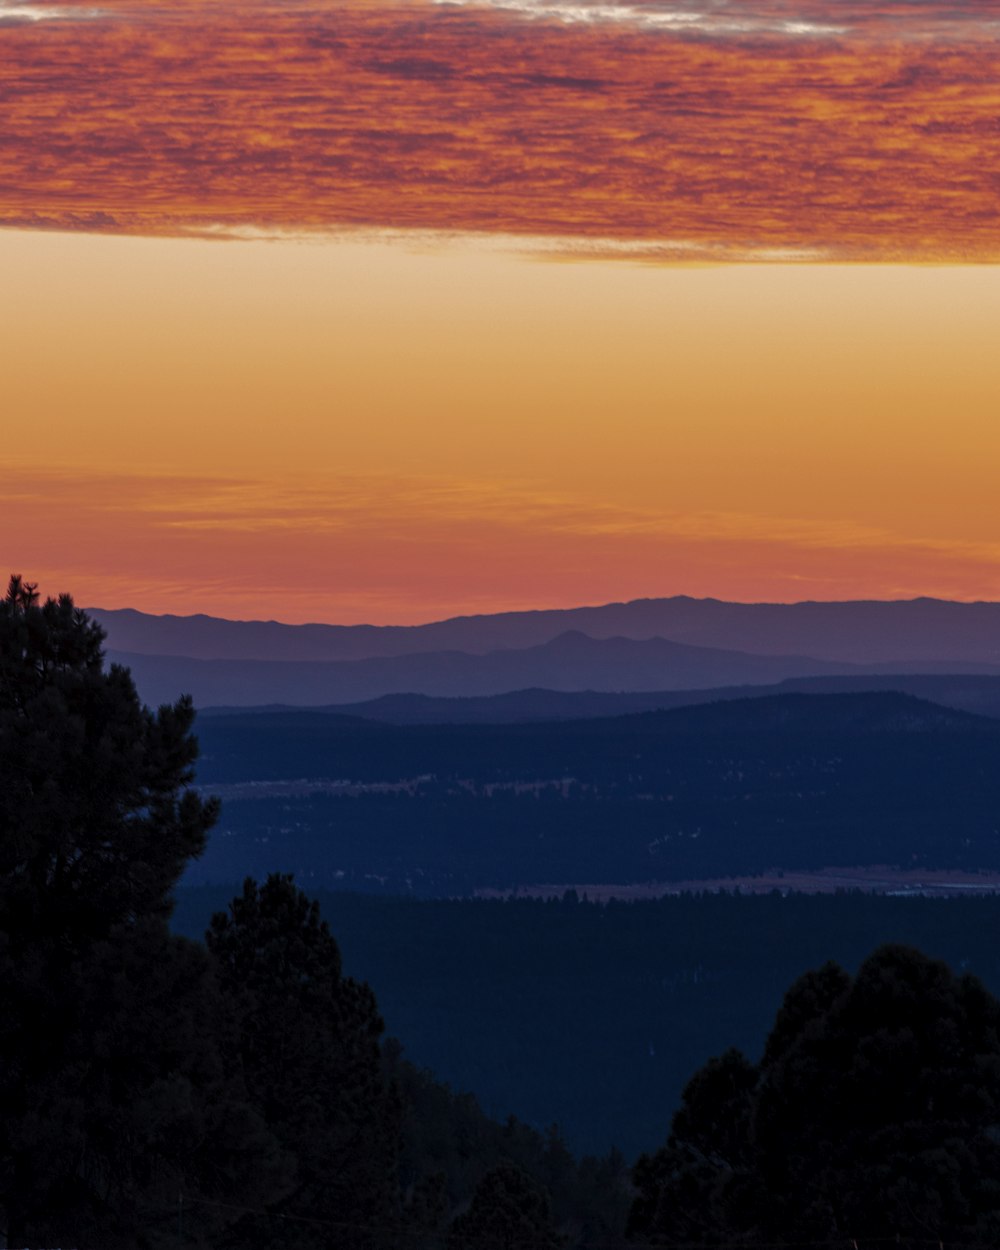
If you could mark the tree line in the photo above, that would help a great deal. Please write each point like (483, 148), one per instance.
(595, 1014)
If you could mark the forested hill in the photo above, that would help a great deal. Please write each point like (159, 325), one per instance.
(298, 743)
(793, 781)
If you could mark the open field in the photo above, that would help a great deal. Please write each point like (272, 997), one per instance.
(878, 879)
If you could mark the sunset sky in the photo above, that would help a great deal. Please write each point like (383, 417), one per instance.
(389, 311)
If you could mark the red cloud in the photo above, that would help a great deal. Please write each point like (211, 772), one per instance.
(881, 142)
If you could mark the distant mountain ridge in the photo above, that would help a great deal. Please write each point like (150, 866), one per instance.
(969, 693)
(858, 632)
(887, 711)
(569, 662)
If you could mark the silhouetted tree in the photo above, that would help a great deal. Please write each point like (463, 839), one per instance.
(448, 1138)
(113, 1095)
(873, 1115)
(307, 1045)
(425, 1210)
(97, 817)
(509, 1211)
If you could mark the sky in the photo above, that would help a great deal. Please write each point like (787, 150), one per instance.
(392, 311)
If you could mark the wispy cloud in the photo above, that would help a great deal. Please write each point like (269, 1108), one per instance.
(13, 11)
(351, 503)
(383, 547)
(719, 20)
(794, 19)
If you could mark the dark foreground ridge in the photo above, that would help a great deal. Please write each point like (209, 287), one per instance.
(163, 1093)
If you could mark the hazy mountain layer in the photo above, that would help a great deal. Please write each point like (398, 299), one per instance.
(570, 662)
(854, 631)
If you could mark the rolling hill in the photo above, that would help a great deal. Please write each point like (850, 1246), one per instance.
(721, 789)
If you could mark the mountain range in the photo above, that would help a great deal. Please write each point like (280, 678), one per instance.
(855, 632)
(660, 645)
(571, 661)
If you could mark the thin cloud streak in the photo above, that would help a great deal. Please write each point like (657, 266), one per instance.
(347, 504)
(672, 132)
(389, 548)
(11, 12)
(654, 18)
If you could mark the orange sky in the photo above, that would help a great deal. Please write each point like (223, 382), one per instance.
(346, 431)
(449, 341)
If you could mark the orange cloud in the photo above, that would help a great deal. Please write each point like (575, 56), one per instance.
(764, 130)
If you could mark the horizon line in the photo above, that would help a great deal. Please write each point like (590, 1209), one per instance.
(582, 607)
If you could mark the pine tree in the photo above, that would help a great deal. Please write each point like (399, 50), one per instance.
(306, 1042)
(874, 1116)
(509, 1211)
(113, 1094)
(97, 818)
